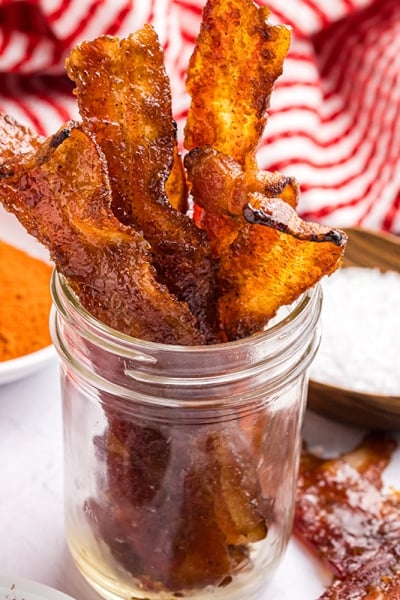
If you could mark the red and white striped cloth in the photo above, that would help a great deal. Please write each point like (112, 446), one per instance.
(335, 113)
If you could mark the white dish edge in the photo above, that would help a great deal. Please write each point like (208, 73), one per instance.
(15, 588)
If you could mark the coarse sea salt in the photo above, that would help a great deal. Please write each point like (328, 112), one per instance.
(360, 345)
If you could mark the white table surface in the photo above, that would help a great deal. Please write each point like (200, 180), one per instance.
(31, 501)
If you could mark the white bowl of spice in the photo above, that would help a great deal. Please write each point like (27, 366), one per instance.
(25, 301)
(355, 376)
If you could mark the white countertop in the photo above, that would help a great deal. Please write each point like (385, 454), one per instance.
(31, 507)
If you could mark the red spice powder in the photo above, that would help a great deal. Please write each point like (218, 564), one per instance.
(24, 303)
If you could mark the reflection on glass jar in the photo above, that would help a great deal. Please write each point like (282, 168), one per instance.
(180, 462)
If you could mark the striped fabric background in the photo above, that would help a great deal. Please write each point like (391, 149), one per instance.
(335, 113)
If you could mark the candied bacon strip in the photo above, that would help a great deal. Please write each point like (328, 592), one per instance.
(240, 56)
(124, 99)
(61, 194)
(342, 514)
(173, 502)
(241, 510)
(220, 188)
(271, 263)
(267, 254)
(378, 580)
(237, 58)
(372, 457)
(221, 185)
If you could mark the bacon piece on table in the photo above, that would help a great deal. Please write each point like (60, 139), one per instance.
(345, 517)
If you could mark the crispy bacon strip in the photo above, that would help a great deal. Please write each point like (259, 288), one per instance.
(236, 60)
(269, 267)
(62, 196)
(220, 188)
(211, 473)
(125, 101)
(220, 185)
(371, 457)
(342, 514)
(241, 511)
(378, 580)
(268, 256)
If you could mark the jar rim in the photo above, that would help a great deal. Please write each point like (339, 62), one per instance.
(103, 358)
(99, 329)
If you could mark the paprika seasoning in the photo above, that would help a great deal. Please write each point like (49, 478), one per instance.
(25, 302)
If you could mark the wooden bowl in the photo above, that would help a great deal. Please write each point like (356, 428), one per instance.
(364, 249)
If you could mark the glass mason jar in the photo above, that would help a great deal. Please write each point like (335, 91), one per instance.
(181, 462)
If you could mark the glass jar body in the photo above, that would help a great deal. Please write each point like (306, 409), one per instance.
(180, 463)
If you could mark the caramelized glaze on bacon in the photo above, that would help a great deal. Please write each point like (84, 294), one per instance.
(124, 99)
(62, 196)
(345, 517)
(267, 255)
